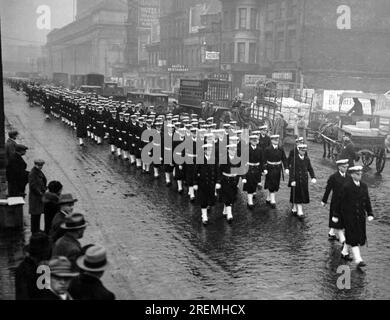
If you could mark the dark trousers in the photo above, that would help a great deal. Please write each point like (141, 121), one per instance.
(48, 221)
(35, 223)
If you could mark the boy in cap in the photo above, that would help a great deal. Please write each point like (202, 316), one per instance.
(334, 185)
(274, 162)
(300, 169)
(88, 286)
(37, 182)
(353, 207)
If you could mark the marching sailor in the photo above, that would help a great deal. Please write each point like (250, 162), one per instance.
(81, 125)
(353, 206)
(334, 185)
(112, 123)
(179, 173)
(131, 133)
(205, 179)
(158, 144)
(252, 179)
(300, 169)
(167, 142)
(264, 139)
(274, 161)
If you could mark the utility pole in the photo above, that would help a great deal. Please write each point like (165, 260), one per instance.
(220, 47)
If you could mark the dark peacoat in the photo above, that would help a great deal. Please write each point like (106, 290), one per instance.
(334, 185)
(26, 280)
(37, 182)
(81, 125)
(255, 169)
(17, 176)
(299, 172)
(10, 149)
(353, 206)
(56, 231)
(87, 287)
(206, 177)
(271, 157)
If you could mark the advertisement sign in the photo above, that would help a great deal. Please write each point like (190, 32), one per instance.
(212, 55)
(283, 76)
(148, 13)
(250, 80)
(331, 101)
(178, 68)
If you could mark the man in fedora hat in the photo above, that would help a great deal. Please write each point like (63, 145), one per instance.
(16, 173)
(61, 275)
(38, 250)
(353, 207)
(37, 182)
(68, 245)
(66, 205)
(88, 286)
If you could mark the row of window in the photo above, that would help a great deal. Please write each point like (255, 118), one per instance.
(248, 19)
(281, 9)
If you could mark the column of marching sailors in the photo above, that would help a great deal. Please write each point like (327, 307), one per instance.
(123, 124)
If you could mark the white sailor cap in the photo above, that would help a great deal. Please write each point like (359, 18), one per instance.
(253, 136)
(207, 145)
(342, 162)
(300, 139)
(234, 139)
(275, 137)
(227, 125)
(256, 132)
(239, 131)
(355, 169)
(210, 119)
(206, 135)
(263, 127)
(232, 146)
(302, 146)
(202, 130)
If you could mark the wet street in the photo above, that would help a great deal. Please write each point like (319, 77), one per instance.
(158, 247)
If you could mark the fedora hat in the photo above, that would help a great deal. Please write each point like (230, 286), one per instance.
(74, 222)
(39, 244)
(94, 259)
(66, 198)
(62, 267)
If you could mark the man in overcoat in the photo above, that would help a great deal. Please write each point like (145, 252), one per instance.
(334, 185)
(353, 207)
(37, 182)
(16, 173)
(300, 168)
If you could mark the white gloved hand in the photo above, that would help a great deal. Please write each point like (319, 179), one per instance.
(260, 184)
(323, 204)
(265, 172)
(370, 218)
(287, 171)
(180, 167)
(293, 184)
(335, 220)
(244, 181)
(218, 186)
(314, 180)
(195, 187)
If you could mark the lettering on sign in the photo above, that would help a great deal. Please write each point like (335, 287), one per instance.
(212, 55)
(344, 18)
(282, 76)
(44, 19)
(250, 80)
(148, 13)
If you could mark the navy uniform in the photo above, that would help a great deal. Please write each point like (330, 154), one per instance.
(111, 126)
(81, 125)
(229, 178)
(274, 161)
(205, 180)
(179, 173)
(167, 143)
(252, 179)
(334, 185)
(300, 169)
(158, 146)
(145, 142)
(139, 129)
(191, 162)
(131, 133)
(264, 139)
(353, 207)
(125, 130)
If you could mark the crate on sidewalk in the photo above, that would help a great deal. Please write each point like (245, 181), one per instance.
(11, 213)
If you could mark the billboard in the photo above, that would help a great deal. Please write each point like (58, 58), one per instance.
(148, 13)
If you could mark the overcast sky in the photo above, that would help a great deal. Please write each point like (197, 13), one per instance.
(19, 19)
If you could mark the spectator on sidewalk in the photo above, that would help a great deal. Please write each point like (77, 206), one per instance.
(50, 203)
(16, 173)
(61, 275)
(68, 245)
(88, 286)
(11, 144)
(37, 182)
(38, 250)
(66, 204)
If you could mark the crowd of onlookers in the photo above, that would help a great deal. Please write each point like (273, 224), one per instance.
(56, 266)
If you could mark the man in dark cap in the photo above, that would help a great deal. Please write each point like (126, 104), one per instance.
(11, 144)
(88, 286)
(37, 182)
(16, 173)
(38, 250)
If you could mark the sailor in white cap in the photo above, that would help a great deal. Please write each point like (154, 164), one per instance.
(252, 179)
(294, 151)
(300, 168)
(274, 162)
(205, 179)
(264, 139)
(334, 185)
(353, 207)
(168, 154)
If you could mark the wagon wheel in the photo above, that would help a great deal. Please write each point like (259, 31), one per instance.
(380, 160)
(367, 159)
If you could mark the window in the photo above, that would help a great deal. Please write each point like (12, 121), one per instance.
(291, 45)
(241, 52)
(268, 46)
(271, 11)
(253, 19)
(279, 46)
(282, 9)
(242, 12)
(291, 8)
(252, 52)
(233, 19)
(225, 21)
(231, 52)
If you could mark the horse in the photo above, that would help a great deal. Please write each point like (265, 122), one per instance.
(329, 132)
